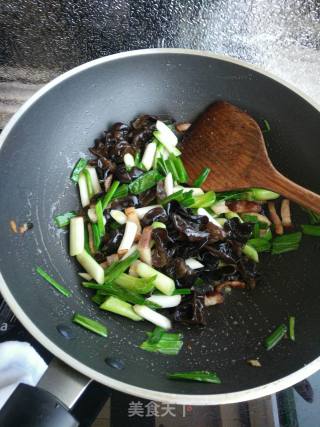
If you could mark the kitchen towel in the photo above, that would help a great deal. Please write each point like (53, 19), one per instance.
(19, 363)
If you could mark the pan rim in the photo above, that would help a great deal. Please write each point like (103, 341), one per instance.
(172, 398)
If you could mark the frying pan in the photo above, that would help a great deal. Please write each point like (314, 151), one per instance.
(39, 147)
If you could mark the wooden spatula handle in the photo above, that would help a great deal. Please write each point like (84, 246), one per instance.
(289, 189)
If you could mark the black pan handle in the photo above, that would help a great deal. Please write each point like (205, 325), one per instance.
(48, 404)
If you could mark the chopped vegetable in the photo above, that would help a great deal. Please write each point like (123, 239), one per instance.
(163, 342)
(121, 191)
(109, 195)
(202, 177)
(142, 211)
(278, 227)
(204, 201)
(167, 138)
(162, 282)
(165, 301)
(83, 189)
(114, 271)
(202, 376)
(91, 266)
(158, 224)
(87, 176)
(145, 181)
(53, 282)
(286, 243)
(194, 263)
(148, 156)
(116, 305)
(144, 245)
(311, 230)
(275, 337)
(76, 235)
(168, 184)
(152, 316)
(182, 291)
(96, 188)
(180, 169)
(292, 321)
(118, 216)
(251, 252)
(262, 194)
(128, 237)
(260, 244)
(62, 220)
(100, 218)
(267, 126)
(90, 324)
(96, 236)
(129, 161)
(314, 217)
(285, 213)
(254, 362)
(139, 285)
(80, 165)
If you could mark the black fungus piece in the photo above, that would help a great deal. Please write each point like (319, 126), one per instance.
(161, 253)
(100, 149)
(174, 207)
(191, 311)
(118, 150)
(216, 233)
(248, 271)
(209, 261)
(185, 249)
(142, 131)
(222, 251)
(122, 175)
(240, 231)
(148, 197)
(188, 230)
(125, 202)
(112, 241)
(155, 214)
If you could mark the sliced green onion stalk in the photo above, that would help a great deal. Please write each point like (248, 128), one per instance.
(163, 342)
(117, 306)
(100, 218)
(96, 188)
(167, 138)
(122, 191)
(286, 243)
(165, 301)
(91, 266)
(149, 155)
(128, 160)
(128, 237)
(118, 216)
(62, 220)
(121, 293)
(162, 282)
(92, 325)
(158, 224)
(155, 335)
(204, 201)
(202, 177)
(109, 195)
(204, 212)
(267, 127)
(137, 159)
(267, 235)
(262, 194)
(152, 316)
(231, 215)
(53, 282)
(194, 191)
(168, 184)
(250, 252)
(311, 230)
(85, 276)
(96, 236)
(162, 167)
(83, 189)
(202, 376)
(292, 321)
(182, 291)
(180, 169)
(314, 217)
(260, 244)
(98, 299)
(76, 235)
(87, 176)
(80, 165)
(135, 284)
(145, 182)
(178, 195)
(275, 337)
(114, 271)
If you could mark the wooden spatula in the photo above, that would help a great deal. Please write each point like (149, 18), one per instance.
(229, 141)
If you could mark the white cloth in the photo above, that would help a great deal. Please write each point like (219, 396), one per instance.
(19, 363)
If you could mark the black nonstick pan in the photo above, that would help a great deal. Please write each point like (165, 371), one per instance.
(39, 147)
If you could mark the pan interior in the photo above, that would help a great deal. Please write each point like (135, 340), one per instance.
(36, 160)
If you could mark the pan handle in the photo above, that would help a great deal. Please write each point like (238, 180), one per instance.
(47, 404)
